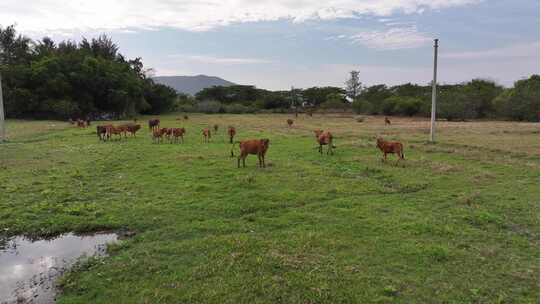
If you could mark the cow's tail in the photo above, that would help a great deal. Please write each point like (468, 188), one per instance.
(232, 148)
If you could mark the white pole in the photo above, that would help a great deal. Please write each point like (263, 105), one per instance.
(2, 120)
(434, 94)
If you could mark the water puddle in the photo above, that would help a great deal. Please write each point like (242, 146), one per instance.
(29, 269)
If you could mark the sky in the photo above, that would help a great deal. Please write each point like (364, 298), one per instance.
(276, 44)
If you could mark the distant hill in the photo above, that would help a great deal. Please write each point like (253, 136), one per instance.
(192, 84)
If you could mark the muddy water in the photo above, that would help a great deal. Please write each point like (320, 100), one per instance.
(29, 269)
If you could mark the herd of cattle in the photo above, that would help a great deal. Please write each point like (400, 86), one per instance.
(255, 146)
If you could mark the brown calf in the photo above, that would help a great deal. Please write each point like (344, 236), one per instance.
(102, 132)
(206, 135)
(254, 146)
(112, 130)
(325, 138)
(157, 134)
(232, 132)
(387, 147)
(82, 123)
(132, 129)
(178, 133)
(387, 121)
(290, 122)
(153, 124)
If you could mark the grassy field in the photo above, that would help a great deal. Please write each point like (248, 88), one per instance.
(457, 222)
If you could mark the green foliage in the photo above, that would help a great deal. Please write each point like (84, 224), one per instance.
(335, 101)
(210, 107)
(75, 80)
(521, 102)
(317, 95)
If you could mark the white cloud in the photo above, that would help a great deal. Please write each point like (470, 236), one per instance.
(392, 39)
(515, 51)
(46, 16)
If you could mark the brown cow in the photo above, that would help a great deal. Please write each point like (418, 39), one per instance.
(186, 117)
(325, 138)
(81, 123)
(132, 129)
(387, 121)
(206, 135)
(216, 127)
(112, 130)
(179, 133)
(290, 122)
(254, 146)
(157, 135)
(232, 133)
(102, 132)
(387, 147)
(153, 124)
(168, 132)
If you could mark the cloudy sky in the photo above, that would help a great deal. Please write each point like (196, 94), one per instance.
(276, 44)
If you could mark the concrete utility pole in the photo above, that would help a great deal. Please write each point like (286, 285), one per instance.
(2, 120)
(434, 93)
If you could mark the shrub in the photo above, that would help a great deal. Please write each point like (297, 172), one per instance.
(361, 106)
(237, 108)
(209, 107)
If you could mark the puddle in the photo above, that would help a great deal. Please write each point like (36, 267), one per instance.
(29, 269)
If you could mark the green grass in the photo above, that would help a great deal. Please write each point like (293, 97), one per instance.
(457, 222)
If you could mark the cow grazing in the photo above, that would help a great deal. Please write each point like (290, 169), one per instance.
(153, 124)
(206, 135)
(178, 133)
(387, 121)
(254, 146)
(325, 138)
(387, 147)
(232, 132)
(290, 122)
(216, 127)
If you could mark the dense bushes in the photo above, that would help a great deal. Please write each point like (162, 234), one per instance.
(45, 80)
(521, 102)
(472, 100)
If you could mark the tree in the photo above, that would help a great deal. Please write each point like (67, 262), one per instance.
(354, 85)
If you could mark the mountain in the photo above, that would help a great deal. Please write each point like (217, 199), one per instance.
(192, 84)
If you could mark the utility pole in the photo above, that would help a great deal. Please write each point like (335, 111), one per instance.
(434, 93)
(2, 119)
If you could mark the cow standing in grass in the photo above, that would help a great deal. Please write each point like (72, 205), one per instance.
(325, 138)
(254, 146)
(102, 132)
(232, 132)
(388, 147)
(153, 124)
(157, 135)
(178, 133)
(216, 127)
(132, 129)
(206, 135)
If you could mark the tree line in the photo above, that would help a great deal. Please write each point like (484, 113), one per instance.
(43, 79)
